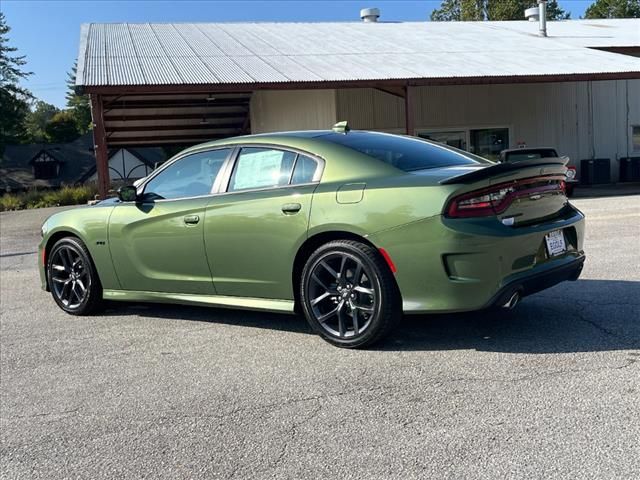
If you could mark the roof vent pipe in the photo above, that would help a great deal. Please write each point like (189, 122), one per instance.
(542, 6)
(369, 15)
(532, 14)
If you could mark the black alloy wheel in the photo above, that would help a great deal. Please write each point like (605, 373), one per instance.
(72, 278)
(349, 295)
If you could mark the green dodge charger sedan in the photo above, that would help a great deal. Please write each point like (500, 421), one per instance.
(352, 228)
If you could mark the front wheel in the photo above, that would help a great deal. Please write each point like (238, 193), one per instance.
(349, 295)
(72, 278)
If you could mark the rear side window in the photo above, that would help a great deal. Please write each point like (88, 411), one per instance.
(405, 153)
(305, 170)
(261, 168)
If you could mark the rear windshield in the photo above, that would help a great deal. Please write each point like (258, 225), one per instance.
(405, 153)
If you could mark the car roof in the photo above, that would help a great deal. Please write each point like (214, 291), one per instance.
(352, 164)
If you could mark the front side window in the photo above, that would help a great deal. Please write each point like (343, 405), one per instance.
(191, 176)
(261, 168)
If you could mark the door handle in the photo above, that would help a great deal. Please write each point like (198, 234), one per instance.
(291, 208)
(191, 219)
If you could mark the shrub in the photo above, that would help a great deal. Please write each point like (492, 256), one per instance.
(10, 202)
(65, 196)
(48, 198)
(83, 194)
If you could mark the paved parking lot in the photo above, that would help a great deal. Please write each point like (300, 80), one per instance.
(551, 390)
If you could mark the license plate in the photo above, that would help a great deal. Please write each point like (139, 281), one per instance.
(555, 243)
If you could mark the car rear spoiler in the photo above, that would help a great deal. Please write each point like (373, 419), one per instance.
(498, 168)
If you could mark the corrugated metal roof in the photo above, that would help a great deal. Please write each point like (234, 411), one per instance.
(231, 53)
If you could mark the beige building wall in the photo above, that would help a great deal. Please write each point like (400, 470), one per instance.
(580, 119)
(281, 110)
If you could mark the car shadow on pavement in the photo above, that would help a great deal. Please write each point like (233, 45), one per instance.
(226, 316)
(581, 316)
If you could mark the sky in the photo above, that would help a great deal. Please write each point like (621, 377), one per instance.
(47, 32)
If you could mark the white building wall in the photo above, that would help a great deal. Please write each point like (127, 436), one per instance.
(123, 165)
(282, 110)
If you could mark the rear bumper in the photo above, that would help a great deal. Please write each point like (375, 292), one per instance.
(464, 265)
(537, 282)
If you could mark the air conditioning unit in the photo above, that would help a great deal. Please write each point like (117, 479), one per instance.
(595, 171)
(630, 169)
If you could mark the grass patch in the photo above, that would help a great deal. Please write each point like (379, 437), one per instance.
(47, 198)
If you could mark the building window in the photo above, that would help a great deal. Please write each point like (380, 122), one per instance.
(453, 138)
(489, 142)
(486, 142)
(45, 167)
(635, 138)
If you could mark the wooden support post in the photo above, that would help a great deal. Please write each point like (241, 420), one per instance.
(100, 145)
(409, 110)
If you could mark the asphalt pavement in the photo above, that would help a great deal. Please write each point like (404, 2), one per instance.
(550, 390)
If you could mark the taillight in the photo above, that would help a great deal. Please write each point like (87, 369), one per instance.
(497, 198)
(571, 172)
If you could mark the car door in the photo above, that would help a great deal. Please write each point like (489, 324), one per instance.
(157, 242)
(254, 228)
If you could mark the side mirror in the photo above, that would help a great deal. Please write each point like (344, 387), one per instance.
(128, 193)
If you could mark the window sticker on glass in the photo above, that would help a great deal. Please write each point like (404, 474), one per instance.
(260, 168)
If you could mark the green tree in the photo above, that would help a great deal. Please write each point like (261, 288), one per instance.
(78, 105)
(459, 10)
(62, 128)
(37, 119)
(613, 9)
(466, 10)
(14, 100)
(514, 9)
(555, 12)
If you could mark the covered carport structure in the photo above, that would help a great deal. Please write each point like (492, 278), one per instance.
(181, 84)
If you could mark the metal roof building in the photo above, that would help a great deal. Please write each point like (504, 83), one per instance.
(184, 83)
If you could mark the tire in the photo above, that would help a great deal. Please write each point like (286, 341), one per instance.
(348, 294)
(72, 277)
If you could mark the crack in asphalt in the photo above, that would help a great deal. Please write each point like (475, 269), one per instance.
(382, 390)
(16, 254)
(293, 432)
(580, 317)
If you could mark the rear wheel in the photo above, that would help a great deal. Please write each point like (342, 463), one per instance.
(72, 278)
(349, 295)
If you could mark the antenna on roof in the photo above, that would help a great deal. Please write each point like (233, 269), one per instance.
(341, 127)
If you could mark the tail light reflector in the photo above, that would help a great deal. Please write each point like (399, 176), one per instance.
(497, 198)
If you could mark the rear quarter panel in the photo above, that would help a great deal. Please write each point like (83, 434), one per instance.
(385, 203)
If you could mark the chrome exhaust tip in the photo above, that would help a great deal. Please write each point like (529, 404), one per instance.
(514, 299)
